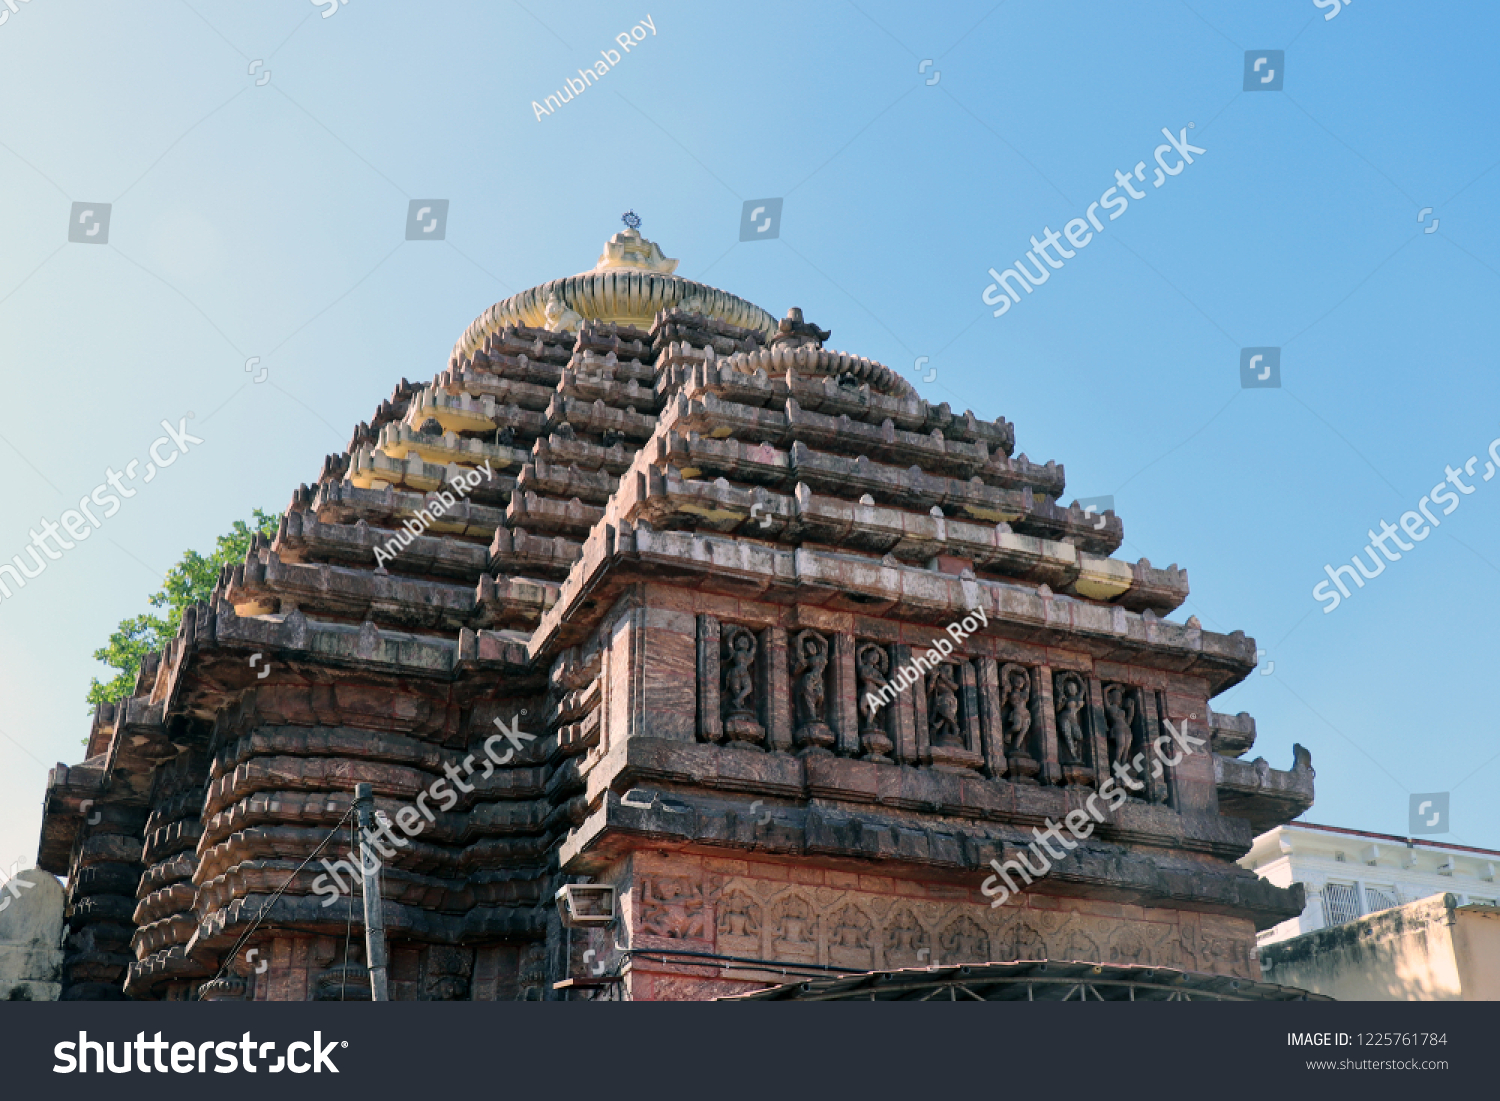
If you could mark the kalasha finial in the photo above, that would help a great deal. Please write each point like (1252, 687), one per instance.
(631, 219)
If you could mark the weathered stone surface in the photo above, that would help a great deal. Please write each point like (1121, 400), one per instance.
(30, 928)
(686, 547)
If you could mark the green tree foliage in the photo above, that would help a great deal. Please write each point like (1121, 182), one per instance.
(189, 582)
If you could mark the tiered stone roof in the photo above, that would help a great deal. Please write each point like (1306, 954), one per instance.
(678, 452)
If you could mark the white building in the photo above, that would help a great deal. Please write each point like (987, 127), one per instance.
(1351, 873)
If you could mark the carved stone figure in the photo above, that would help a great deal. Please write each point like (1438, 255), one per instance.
(1017, 709)
(850, 942)
(1120, 709)
(1070, 703)
(810, 692)
(740, 725)
(873, 663)
(942, 708)
(1080, 946)
(965, 942)
(793, 332)
(447, 975)
(673, 907)
(852, 930)
(796, 932)
(610, 633)
(739, 917)
(906, 942)
(1129, 947)
(561, 317)
(1016, 722)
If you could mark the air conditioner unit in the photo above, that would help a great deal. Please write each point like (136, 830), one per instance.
(580, 904)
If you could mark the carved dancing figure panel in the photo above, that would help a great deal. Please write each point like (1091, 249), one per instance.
(810, 655)
(741, 726)
(1017, 718)
(1073, 747)
(872, 667)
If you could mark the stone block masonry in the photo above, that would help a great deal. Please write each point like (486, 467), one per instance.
(691, 541)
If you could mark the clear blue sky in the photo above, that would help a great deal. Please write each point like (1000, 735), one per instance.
(267, 219)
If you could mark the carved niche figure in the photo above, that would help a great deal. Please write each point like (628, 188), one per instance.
(1080, 946)
(796, 933)
(1016, 721)
(561, 317)
(1016, 711)
(740, 924)
(1070, 702)
(673, 907)
(1072, 745)
(1129, 947)
(942, 708)
(965, 942)
(1119, 706)
(849, 945)
(505, 436)
(907, 943)
(740, 725)
(852, 929)
(446, 977)
(739, 917)
(1021, 942)
(811, 693)
(873, 663)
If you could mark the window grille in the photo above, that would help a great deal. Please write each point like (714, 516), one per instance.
(1380, 898)
(1340, 903)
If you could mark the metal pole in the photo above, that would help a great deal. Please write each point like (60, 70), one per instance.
(369, 870)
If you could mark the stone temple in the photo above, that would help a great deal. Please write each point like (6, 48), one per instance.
(688, 544)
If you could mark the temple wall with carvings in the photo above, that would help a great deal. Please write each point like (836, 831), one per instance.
(686, 546)
(797, 914)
